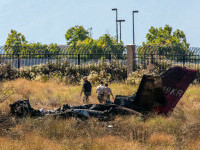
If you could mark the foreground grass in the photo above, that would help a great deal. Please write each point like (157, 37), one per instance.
(181, 130)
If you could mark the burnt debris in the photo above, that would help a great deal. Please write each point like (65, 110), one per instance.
(22, 108)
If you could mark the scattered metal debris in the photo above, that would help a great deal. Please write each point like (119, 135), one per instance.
(22, 108)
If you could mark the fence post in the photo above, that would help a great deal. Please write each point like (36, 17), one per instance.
(48, 57)
(18, 60)
(109, 57)
(131, 59)
(152, 61)
(144, 59)
(183, 59)
(79, 59)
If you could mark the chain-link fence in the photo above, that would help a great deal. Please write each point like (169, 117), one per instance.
(163, 58)
(160, 56)
(22, 59)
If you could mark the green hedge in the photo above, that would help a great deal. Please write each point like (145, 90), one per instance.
(69, 73)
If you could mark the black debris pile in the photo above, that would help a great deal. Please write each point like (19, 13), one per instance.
(22, 108)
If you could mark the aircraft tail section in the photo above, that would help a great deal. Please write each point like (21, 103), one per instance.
(175, 82)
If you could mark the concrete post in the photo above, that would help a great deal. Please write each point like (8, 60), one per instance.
(131, 61)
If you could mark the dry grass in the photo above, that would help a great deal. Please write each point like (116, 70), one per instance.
(164, 140)
(179, 131)
(30, 141)
(51, 94)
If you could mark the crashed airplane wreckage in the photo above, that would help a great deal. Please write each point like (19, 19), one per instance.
(156, 94)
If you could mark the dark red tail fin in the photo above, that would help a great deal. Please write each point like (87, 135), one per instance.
(175, 82)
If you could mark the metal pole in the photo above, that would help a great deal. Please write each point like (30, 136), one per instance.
(116, 27)
(133, 31)
(120, 27)
(133, 27)
(115, 9)
(120, 31)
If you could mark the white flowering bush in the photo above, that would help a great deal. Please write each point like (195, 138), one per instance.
(135, 77)
(95, 78)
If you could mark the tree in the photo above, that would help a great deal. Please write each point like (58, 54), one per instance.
(15, 43)
(35, 48)
(77, 33)
(163, 40)
(53, 48)
(110, 45)
(41, 50)
(105, 44)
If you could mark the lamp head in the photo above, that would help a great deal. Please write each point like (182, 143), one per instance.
(121, 20)
(135, 11)
(114, 9)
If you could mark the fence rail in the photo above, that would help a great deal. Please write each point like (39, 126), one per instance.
(162, 60)
(165, 61)
(20, 60)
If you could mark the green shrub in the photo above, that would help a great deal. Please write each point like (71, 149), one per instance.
(7, 72)
(68, 73)
(107, 71)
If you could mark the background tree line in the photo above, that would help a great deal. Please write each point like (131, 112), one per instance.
(16, 43)
(78, 40)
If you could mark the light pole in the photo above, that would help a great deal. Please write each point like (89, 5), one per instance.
(120, 28)
(135, 11)
(115, 9)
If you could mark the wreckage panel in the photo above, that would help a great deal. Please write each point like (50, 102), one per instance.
(150, 93)
(175, 82)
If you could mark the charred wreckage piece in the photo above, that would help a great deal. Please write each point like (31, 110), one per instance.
(22, 108)
(156, 94)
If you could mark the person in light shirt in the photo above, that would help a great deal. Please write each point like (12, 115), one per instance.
(100, 92)
(108, 92)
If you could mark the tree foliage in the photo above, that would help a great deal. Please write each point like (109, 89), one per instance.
(75, 34)
(17, 44)
(80, 43)
(110, 45)
(163, 40)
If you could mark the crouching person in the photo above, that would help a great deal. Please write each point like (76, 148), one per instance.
(100, 92)
(86, 89)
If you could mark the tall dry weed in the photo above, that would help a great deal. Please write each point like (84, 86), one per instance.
(30, 141)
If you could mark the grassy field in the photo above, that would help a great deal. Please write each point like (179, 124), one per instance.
(181, 130)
